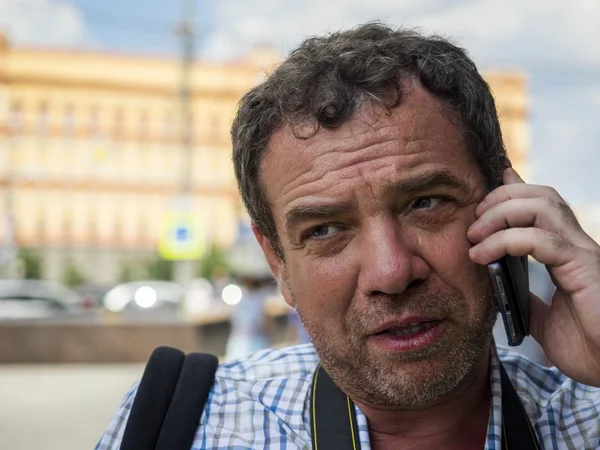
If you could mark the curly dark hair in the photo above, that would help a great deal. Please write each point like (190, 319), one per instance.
(327, 79)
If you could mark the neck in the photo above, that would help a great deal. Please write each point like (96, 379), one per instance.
(459, 420)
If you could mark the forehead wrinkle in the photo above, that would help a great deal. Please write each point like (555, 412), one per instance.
(374, 152)
(375, 129)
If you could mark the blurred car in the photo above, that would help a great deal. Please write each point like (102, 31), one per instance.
(92, 295)
(36, 299)
(149, 295)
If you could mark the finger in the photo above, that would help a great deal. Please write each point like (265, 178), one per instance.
(538, 312)
(511, 176)
(517, 190)
(545, 246)
(541, 213)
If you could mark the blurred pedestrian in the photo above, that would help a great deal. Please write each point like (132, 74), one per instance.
(251, 326)
(296, 331)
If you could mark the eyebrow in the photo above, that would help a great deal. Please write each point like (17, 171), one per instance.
(301, 214)
(419, 183)
(427, 181)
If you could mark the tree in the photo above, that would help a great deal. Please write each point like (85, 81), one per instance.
(160, 269)
(214, 263)
(126, 275)
(32, 263)
(73, 275)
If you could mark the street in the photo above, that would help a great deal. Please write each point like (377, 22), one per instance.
(60, 407)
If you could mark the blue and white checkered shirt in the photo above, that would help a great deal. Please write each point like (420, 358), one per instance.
(263, 402)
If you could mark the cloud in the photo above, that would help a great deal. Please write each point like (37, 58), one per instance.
(42, 22)
(539, 32)
(520, 32)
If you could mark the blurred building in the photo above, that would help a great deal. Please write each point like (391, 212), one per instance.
(91, 154)
(510, 90)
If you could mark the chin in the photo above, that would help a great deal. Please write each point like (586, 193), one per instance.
(417, 379)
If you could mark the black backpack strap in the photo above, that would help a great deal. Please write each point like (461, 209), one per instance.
(183, 417)
(333, 419)
(152, 399)
(169, 400)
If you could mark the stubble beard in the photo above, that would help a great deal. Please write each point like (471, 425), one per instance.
(409, 380)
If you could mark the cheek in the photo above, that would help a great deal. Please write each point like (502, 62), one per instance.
(323, 289)
(447, 250)
(448, 257)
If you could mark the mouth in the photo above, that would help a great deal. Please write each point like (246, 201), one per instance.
(403, 337)
(409, 329)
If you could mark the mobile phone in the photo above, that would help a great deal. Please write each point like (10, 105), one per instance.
(510, 278)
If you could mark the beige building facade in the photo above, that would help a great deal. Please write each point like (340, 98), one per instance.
(91, 151)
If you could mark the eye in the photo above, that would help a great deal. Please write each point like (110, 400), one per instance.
(321, 231)
(426, 202)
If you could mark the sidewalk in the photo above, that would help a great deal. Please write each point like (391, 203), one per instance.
(60, 407)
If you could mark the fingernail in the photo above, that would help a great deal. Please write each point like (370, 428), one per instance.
(473, 251)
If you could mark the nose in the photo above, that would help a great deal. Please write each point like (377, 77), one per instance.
(389, 260)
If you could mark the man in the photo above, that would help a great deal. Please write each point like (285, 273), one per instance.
(369, 162)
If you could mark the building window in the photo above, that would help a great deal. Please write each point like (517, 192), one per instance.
(42, 119)
(94, 124)
(41, 228)
(215, 130)
(69, 121)
(169, 131)
(92, 231)
(16, 117)
(191, 132)
(143, 231)
(67, 226)
(143, 130)
(118, 123)
(118, 231)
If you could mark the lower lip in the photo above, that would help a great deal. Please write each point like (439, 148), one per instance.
(410, 343)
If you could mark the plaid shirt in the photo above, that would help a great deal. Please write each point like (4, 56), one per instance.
(262, 402)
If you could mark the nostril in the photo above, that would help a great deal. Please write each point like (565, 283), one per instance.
(413, 285)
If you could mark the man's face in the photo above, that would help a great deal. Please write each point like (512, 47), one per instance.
(372, 220)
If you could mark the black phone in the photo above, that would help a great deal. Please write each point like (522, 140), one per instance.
(510, 278)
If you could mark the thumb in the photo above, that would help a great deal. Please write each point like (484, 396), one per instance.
(510, 176)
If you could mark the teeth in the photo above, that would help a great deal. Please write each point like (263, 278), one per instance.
(409, 329)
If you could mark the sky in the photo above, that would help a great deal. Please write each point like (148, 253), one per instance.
(556, 42)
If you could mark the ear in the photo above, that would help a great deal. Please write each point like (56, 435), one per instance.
(275, 263)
